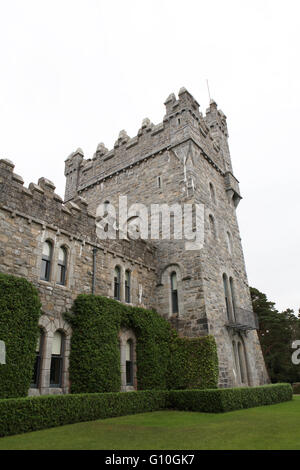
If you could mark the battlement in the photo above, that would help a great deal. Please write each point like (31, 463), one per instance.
(40, 201)
(183, 120)
(40, 204)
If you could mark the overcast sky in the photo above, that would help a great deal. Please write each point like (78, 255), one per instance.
(75, 72)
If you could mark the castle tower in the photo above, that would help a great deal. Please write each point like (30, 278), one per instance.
(186, 160)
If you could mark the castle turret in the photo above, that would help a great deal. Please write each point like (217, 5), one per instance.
(72, 167)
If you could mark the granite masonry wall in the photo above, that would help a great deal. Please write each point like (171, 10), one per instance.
(31, 216)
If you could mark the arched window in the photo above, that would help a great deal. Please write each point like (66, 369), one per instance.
(232, 297)
(46, 261)
(226, 294)
(212, 193)
(243, 365)
(117, 279)
(62, 266)
(127, 287)
(229, 242)
(38, 361)
(106, 204)
(129, 362)
(174, 292)
(212, 226)
(57, 360)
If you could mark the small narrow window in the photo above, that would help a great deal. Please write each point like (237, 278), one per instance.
(178, 121)
(37, 362)
(106, 204)
(159, 182)
(241, 356)
(129, 362)
(212, 226)
(117, 278)
(46, 261)
(56, 360)
(225, 284)
(232, 297)
(174, 293)
(62, 266)
(212, 193)
(127, 287)
(229, 242)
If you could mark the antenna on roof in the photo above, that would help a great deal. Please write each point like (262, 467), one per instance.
(208, 90)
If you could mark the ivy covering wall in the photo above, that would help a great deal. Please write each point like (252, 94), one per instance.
(164, 361)
(19, 315)
(193, 363)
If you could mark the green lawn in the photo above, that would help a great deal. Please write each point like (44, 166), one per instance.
(266, 427)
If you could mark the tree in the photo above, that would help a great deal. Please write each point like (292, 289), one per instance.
(277, 331)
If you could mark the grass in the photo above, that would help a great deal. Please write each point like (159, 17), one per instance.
(272, 427)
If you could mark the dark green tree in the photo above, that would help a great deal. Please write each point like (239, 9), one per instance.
(277, 331)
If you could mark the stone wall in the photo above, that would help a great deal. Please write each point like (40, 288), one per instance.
(29, 217)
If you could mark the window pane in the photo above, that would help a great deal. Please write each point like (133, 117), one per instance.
(129, 373)
(128, 351)
(55, 371)
(57, 341)
(174, 301)
(47, 249)
(45, 270)
(62, 255)
(174, 281)
(117, 274)
(61, 274)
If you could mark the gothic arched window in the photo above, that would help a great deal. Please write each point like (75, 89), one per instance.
(46, 261)
(62, 266)
(232, 293)
(226, 294)
(56, 366)
(127, 287)
(212, 226)
(212, 193)
(129, 362)
(174, 292)
(117, 279)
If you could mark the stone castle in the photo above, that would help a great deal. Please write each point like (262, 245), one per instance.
(53, 242)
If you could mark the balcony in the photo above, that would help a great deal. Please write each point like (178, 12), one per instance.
(245, 320)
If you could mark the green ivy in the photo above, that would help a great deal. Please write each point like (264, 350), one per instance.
(163, 359)
(193, 363)
(19, 315)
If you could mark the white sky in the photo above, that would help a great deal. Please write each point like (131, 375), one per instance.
(75, 72)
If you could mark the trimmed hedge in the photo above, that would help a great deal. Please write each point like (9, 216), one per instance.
(229, 399)
(31, 414)
(164, 361)
(20, 310)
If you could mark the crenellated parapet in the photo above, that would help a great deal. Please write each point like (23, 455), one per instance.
(40, 204)
(183, 121)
